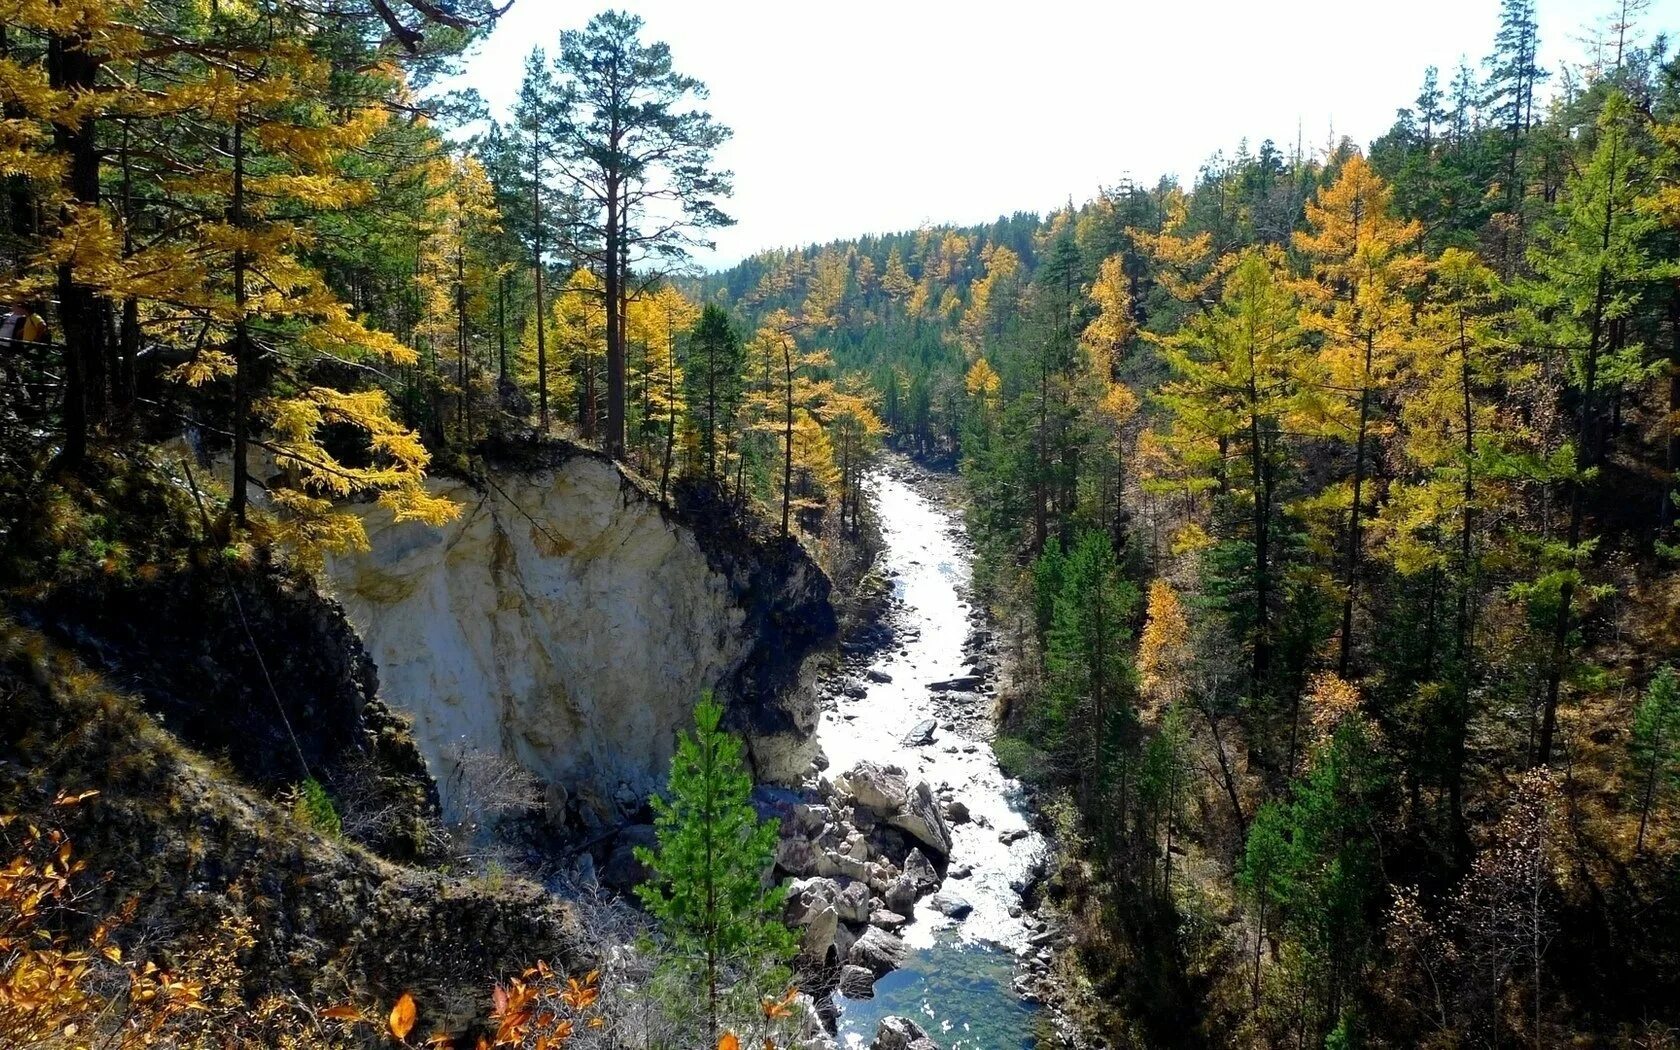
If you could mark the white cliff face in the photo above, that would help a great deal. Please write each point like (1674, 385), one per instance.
(562, 621)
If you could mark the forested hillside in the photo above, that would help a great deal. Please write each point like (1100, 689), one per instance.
(268, 268)
(1329, 507)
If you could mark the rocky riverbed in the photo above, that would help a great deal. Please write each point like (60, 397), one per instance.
(910, 857)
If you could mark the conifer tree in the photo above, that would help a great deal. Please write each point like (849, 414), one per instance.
(1361, 268)
(1242, 375)
(642, 163)
(1090, 680)
(713, 375)
(1591, 267)
(706, 884)
(1655, 748)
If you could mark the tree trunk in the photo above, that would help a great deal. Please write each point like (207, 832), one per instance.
(613, 440)
(501, 331)
(241, 337)
(1354, 541)
(1666, 515)
(72, 68)
(537, 265)
(1586, 442)
(463, 409)
(670, 405)
(787, 454)
(1460, 726)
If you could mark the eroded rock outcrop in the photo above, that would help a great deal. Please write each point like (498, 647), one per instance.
(569, 621)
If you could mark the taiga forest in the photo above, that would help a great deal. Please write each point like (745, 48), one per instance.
(453, 595)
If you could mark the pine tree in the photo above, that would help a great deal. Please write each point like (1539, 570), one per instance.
(537, 123)
(1514, 74)
(1655, 746)
(643, 165)
(706, 884)
(1090, 681)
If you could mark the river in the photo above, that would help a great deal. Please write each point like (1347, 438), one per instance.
(957, 980)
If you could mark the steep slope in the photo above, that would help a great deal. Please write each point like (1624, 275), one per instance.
(569, 621)
(180, 835)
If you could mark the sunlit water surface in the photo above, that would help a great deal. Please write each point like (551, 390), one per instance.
(957, 980)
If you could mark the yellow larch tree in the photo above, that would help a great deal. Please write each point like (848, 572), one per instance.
(453, 265)
(785, 394)
(992, 299)
(257, 151)
(825, 291)
(1187, 266)
(1362, 266)
(855, 432)
(577, 337)
(655, 322)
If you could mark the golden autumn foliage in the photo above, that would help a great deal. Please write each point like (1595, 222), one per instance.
(1164, 650)
(56, 990)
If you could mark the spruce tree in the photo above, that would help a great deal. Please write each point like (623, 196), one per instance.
(707, 876)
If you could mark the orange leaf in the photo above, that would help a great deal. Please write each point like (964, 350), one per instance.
(342, 1012)
(729, 1041)
(403, 1016)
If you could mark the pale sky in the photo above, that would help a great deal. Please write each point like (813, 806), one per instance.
(866, 116)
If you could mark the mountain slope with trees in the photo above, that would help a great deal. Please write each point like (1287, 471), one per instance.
(1329, 508)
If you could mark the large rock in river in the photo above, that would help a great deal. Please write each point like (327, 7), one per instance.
(885, 793)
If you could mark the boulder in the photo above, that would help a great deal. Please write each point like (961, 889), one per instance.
(967, 683)
(877, 951)
(921, 820)
(852, 902)
(921, 873)
(796, 856)
(844, 938)
(856, 847)
(887, 920)
(957, 812)
(838, 865)
(950, 905)
(817, 940)
(877, 787)
(880, 677)
(896, 1033)
(856, 982)
(901, 896)
(811, 817)
(923, 734)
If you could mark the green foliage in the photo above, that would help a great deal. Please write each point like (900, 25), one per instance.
(314, 808)
(1654, 748)
(1020, 759)
(712, 373)
(707, 882)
